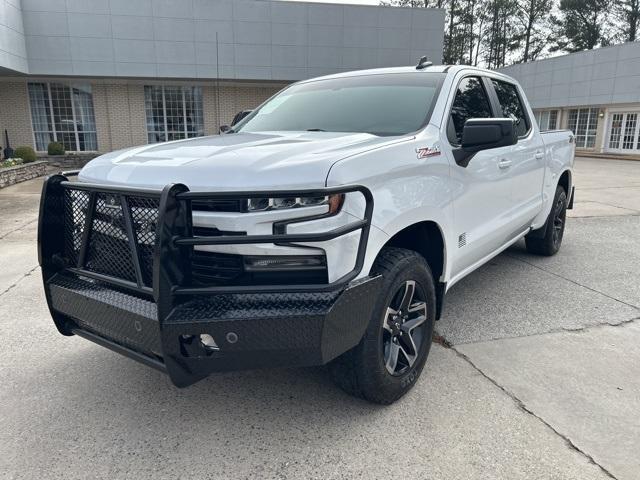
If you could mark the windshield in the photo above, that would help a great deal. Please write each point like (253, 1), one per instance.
(384, 104)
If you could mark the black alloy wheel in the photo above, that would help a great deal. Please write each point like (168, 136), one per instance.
(559, 219)
(547, 240)
(404, 328)
(388, 361)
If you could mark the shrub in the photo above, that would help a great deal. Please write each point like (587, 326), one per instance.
(27, 154)
(55, 148)
(11, 162)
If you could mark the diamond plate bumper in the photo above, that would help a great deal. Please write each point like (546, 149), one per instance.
(251, 330)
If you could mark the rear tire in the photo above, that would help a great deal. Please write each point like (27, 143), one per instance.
(547, 240)
(390, 357)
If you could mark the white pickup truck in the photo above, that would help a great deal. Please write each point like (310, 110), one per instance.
(324, 228)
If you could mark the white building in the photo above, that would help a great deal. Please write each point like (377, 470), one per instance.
(595, 93)
(99, 75)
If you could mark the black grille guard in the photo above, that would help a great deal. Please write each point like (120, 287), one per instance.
(169, 291)
(174, 234)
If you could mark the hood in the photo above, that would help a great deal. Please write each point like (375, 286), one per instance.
(239, 161)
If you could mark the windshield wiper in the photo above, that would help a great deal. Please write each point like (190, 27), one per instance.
(315, 130)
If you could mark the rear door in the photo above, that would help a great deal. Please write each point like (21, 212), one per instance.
(526, 159)
(482, 196)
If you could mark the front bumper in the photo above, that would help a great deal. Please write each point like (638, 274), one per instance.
(251, 330)
(160, 324)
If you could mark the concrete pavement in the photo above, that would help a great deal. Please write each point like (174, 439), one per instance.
(74, 410)
(540, 378)
(584, 384)
(561, 335)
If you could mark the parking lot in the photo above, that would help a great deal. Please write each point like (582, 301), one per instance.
(537, 375)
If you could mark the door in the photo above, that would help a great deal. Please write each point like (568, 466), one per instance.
(624, 133)
(481, 190)
(526, 158)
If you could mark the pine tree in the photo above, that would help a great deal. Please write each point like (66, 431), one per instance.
(496, 33)
(503, 37)
(628, 14)
(580, 25)
(534, 16)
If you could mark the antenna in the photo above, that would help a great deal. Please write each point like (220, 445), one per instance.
(423, 63)
(217, 86)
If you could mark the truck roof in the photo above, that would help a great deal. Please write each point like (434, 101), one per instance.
(380, 71)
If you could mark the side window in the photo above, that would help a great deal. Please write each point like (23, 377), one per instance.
(471, 101)
(511, 105)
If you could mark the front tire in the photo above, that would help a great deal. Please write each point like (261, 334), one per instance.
(548, 239)
(387, 362)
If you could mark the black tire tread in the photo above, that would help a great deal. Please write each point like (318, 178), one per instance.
(543, 246)
(345, 368)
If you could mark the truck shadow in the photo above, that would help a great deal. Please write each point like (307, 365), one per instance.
(253, 389)
(101, 408)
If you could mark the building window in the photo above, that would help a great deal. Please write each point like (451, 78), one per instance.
(624, 132)
(583, 122)
(547, 119)
(173, 113)
(63, 113)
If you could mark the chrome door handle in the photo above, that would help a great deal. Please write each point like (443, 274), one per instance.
(539, 155)
(504, 163)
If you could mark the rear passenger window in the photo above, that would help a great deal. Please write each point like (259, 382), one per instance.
(512, 105)
(471, 101)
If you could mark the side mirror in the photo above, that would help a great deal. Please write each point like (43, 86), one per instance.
(484, 134)
(224, 128)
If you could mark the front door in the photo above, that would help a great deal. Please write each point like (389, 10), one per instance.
(624, 133)
(482, 190)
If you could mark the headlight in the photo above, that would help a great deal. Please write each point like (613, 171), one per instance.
(285, 202)
(262, 204)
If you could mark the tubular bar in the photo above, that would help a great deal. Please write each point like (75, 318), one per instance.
(118, 282)
(116, 347)
(95, 187)
(284, 238)
(310, 192)
(174, 238)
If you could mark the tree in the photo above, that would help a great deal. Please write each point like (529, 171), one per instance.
(454, 33)
(503, 37)
(628, 14)
(534, 16)
(482, 19)
(580, 25)
(460, 39)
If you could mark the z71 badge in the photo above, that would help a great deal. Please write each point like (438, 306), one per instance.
(428, 152)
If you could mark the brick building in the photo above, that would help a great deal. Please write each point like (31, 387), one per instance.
(98, 75)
